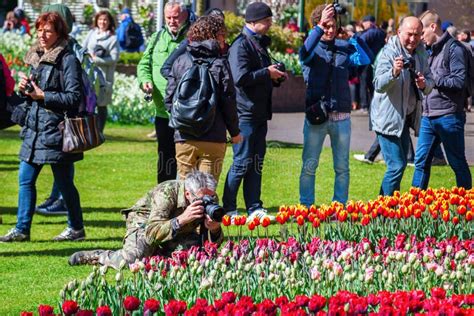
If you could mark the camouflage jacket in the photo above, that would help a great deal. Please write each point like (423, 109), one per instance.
(154, 213)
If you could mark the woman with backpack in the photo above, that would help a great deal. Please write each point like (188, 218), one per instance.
(102, 45)
(205, 150)
(52, 90)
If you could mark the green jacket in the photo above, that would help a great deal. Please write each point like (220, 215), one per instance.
(150, 72)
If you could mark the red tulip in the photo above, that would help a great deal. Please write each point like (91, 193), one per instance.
(316, 223)
(151, 305)
(251, 225)
(469, 216)
(70, 307)
(103, 311)
(46, 310)
(26, 314)
(462, 209)
(455, 220)
(131, 303)
(226, 221)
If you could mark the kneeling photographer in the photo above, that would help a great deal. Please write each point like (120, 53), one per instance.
(326, 62)
(176, 214)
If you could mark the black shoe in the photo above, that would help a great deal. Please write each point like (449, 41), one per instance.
(85, 257)
(69, 234)
(48, 202)
(14, 235)
(58, 207)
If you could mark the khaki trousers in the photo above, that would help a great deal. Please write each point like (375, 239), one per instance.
(206, 157)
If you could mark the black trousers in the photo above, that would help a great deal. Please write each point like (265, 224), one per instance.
(366, 87)
(166, 166)
(102, 116)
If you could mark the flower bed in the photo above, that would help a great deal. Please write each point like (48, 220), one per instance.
(438, 213)
(266, 269)
(343, 303)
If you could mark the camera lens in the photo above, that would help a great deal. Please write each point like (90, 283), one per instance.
(214, 210)
(29, 87)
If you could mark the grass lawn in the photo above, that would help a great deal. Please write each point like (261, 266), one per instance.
(113, 177)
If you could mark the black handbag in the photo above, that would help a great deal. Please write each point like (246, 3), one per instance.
(316, 112)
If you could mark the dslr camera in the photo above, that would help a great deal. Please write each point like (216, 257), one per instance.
(281, 67)
(409, 63)
(338, 8)
(214, 210)
(29, 86)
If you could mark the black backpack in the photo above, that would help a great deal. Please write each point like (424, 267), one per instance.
(469, 64)
(195, 99)
(133, 36)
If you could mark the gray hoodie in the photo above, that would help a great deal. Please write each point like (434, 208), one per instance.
(393, 95)
(108, 62)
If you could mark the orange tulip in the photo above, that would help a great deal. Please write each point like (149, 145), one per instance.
(300, 220)
(469, 216)
(251, 225)
(266, 221)
(461, 209)
(316, 223)
(455, 220)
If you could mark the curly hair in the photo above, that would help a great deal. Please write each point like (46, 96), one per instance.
(317, 14)
(205, 28)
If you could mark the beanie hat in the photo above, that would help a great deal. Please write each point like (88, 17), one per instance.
(19, 13)
(126, 11)
(445, 25)
(368, 18)
(257, 11)
(62, 10)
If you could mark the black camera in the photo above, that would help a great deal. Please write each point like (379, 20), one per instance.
(148, 97)
(408, 63)
(29, 87)
(214, 210)
(281, 67)
(339, 9)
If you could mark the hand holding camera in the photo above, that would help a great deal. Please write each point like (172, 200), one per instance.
(194, 211)
(277, 72)
(29, 87)
(148, 89)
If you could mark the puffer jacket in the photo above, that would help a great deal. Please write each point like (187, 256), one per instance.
(389, 107)
(226, 111)
(316, 55)
(58, 74)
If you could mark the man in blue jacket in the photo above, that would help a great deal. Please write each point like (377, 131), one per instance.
(124, 31)
(443, 117)
(326, 61)
(254, 77)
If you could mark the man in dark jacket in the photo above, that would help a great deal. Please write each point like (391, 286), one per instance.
(443, 117)
(375, 39)
(254, 77)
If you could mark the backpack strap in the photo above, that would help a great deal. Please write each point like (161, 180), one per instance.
(153, 44)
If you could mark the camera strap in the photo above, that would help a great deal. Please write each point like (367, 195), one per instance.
(332, 62)
(260, 50)
(411, 72)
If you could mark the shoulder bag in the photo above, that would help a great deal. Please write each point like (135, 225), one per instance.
(316, 112)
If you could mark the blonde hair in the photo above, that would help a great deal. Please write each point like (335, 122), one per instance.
(430, 16)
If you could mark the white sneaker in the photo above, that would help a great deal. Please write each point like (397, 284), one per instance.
(361, 158)
(260, 213)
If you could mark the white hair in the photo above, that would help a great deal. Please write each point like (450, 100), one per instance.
(197, 180)
(174, 3)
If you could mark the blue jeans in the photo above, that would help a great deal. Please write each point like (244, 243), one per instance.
(247, 166)
(394, 150)
(55, 192)
(449, 130)
(28, 173)
(340, 134)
